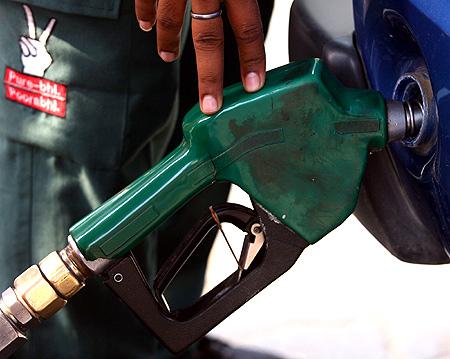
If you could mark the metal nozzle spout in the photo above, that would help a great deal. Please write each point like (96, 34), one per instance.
(404, 119)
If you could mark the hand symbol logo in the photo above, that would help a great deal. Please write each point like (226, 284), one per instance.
(35, 57)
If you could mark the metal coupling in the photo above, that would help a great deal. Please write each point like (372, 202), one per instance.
(404, 119)
(39, 292)
(11, 338)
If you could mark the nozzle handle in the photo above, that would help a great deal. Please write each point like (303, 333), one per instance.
(298, 147)
(123, 221)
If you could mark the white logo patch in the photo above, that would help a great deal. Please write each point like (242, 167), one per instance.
(30, 88)
(35, 57)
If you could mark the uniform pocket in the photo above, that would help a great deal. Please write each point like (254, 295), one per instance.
(98, 8)
(97, 91)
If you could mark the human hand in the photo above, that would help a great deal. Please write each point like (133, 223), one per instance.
(209, 41)
(35, 57)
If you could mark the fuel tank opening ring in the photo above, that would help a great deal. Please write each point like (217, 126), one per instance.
(415, 91)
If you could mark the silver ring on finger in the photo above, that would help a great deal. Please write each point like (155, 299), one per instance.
(210, 16)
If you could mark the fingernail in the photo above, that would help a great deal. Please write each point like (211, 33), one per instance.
(168, 56)
(145, 25)
(209, 104)
(252, 82)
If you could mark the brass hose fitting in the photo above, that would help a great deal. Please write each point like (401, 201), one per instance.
(40, 291)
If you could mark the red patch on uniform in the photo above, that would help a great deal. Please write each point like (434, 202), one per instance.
(36, 92)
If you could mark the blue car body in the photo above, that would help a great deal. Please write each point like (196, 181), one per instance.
(398, 37)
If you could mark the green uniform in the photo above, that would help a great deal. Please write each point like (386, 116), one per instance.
(82, 113)
(121, 104)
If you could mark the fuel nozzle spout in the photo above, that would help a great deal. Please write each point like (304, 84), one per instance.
(405, 119)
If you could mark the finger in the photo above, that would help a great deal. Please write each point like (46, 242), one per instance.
(247, 27)
(29, 45)
(25, 51)
(208, 43)
(168, 28)
(145, 13)
(47, 32)
(30, 22)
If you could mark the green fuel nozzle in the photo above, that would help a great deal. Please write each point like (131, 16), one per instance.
(298, 147)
